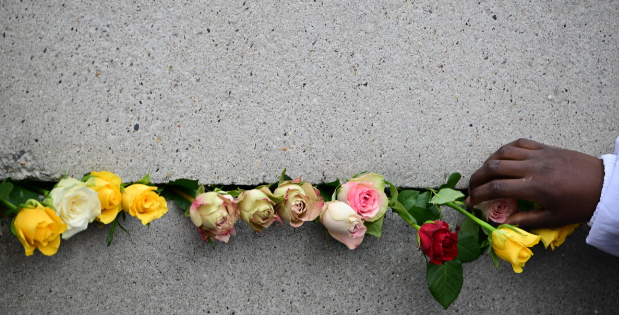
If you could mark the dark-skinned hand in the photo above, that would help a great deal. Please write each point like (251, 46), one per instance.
(567, 184)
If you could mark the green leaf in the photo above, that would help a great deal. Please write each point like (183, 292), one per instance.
(375, 228)
(200, 191)
(13, 227)
(123, 228)
(144, 180)
(181, 202)
(187, 183)
(210, 241)
(410, 198)
(451, 181)
(468, 248)
(445, 281)
(397, 207)
(110, 237)
(326, 190)
(422, 200)
(393, 191)
(446, 195)
(5, 189)
(282, 178)
(334, 183)
(20, 195)
(86, 176)
(471, 227)
(495, 259)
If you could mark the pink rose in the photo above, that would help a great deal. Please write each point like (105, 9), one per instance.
(343, 223)
(498, 210)
(366, 195)
(215, 215)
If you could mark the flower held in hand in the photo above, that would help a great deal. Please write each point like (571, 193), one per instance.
(498, 210)
(555, 237)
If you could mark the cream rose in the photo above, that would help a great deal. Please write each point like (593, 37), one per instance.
(256, 209)
(215, 215)
(301, 203)
(343, 223)
(75, 204)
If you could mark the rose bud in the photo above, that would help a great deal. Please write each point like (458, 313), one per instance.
(39, 227)
(215, 215)
(366, 195)
(555, 237)
(513, 246)
(256, 209)
(343, 223)
(301, 203)
(76, 204)
(142, 202)
(498, 210)
(438, 242)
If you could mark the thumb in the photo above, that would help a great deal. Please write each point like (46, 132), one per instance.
(533, 219)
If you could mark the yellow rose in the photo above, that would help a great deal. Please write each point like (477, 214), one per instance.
(142, 202)
(555, 237)
(39, 227)
(513, 246)
(107, 186)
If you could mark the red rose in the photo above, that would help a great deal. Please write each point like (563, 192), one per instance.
(438, 242)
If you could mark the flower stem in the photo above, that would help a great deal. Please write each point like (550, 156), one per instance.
(8, 204)
(40, 191)
(471, 216)
(183, 194)
(417, 227)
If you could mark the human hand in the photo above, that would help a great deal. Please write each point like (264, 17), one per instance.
(567, 184)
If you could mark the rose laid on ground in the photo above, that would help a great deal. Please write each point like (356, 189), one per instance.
(302, 202)
(215, 215)
(75, 204)
(343, 223)
(366, 195)
(107, 186)
(555, 237)
(256, 209)
(438, 242)
(39, 227)
(512, 245)
(142, 202)
(498, 210)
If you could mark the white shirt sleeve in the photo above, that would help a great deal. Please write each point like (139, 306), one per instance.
(604, 223)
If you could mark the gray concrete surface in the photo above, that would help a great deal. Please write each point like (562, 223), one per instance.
(233, 92)
(168, 269)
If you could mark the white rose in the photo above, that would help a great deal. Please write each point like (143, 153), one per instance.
(76, 205)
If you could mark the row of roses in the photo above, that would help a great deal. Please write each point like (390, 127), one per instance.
(348, 211)
(72, 204)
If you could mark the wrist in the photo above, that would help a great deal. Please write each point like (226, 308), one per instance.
(609, 165)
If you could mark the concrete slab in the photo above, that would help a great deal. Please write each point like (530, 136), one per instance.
(168, 269)
(234, 92)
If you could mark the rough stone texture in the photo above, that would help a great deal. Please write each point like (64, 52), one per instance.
(168, 269)
(233, 92)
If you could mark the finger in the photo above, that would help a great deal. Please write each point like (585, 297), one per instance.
(533, 219)
(510, 152)
(503, 189)
(499, 169)
(527, 144)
